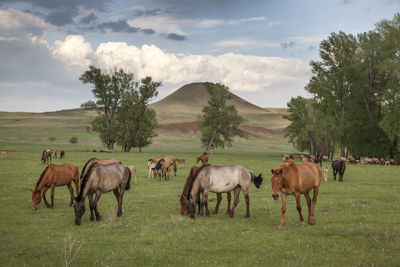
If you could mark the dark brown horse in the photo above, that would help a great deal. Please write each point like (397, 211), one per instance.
(46, 157)
(62, 154)
(338, 166)
(203, 158)
(291, 179)
(184, 197)
(52, 176)
(101, 179)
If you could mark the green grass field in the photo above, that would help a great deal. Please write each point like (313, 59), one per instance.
(357, 221)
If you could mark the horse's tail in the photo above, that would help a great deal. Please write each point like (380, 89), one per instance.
(128, 184)
(174, 162)
(257, 180)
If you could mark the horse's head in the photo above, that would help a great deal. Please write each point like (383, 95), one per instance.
(184, 204)
(276, 182)
(36, 198)
(79, 211)
(192, 207)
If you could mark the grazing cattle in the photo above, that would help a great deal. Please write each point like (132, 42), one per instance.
(376, 161)
(46, 157)
(100, 179)
(382, 161)
(352, 160)
(387, 163)
(184, 197)
(52, 176)
(291, 179)
(392, 162)
(338, 166)
(3, 154)
(133, 171)
(203, 158)
(222, 179)
(181, 162)
(367, 161)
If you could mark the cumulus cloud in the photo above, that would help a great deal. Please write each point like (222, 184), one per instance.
(74, 51)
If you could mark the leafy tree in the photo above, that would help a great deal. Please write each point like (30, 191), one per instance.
(219, 122)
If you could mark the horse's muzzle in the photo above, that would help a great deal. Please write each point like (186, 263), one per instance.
(275, 197)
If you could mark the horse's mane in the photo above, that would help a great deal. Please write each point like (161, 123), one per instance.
(84, 167)
(41, 176)
(158, 166)
(85, 179)
(195, 176)
(43, 154)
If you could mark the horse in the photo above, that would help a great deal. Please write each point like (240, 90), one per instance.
(92, 161)
(291, 179)
(101, 179)
(163, 167)
(3, 154)
(52, 176)
(133, 171)
(46, 157)
(203, 158)
(181, 162)
(53, 153)
(184, 197)
(150, 165)
(62, 154)
(338, 166)
(221, 179)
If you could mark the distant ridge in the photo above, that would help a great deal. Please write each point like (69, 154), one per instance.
(186, 103)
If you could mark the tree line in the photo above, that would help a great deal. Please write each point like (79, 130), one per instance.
(355, 103)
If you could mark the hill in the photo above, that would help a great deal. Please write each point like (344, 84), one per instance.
(185, 105)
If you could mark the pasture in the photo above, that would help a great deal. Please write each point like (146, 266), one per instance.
(357, 221)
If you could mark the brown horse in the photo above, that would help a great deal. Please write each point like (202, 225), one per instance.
(163, 167)
(181, 162)
(203, 158)
(291, 179)
(338, 166)
(184, 197)
(46, 157)
(52, 176)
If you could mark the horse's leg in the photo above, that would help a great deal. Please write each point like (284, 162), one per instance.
(52, 196)
(44, 196)
(314, 201)
(334, 174)
(90, 196)
(247, 199)
(297, 196)
(229, 197)
(283, 210)
(118, 195)
(205, 202)
(219, 198)
(96, 199)
(237, 192)
(71, 191)
(307, 196)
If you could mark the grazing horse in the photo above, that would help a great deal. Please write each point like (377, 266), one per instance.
(3, 154)
(46, 157)
(184, 197)
(133, 171)
(92, 161)
(53, 154)
(62, 154)
(338, 166)
(291, 179)
(52, 176)
(181, 162)
(221, 179)
(150, 165)
(203, 158)
(101, 179)
(163, 167)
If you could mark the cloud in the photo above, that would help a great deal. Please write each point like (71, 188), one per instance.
(117, 26)
(176, 37)
(238, 45)
(89, 19)
(74, 51)
(287, 45)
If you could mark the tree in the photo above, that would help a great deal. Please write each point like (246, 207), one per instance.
(219, 122)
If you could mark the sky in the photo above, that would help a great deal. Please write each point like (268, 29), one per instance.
(260, 49)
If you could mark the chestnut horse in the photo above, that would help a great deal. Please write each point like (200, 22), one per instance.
(291, 179)
(203, 158)
(101, 179)
(221, 179)
(184, 197)
(52, 176)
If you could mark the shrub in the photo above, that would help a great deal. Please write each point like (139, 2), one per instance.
(73, 140)
(52, 138)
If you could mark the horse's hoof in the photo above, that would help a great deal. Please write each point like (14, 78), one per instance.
(91, 219)
(311, 222)
(99, 218)
(247, 216)
(119, 214)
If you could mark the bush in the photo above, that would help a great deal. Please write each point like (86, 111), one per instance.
(73, 140)
(52, 138)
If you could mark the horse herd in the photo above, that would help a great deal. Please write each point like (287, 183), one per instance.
(99, 176)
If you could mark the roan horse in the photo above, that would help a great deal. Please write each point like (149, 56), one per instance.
(184, 197)
(101, 179)
(92, 161)
(52, 176)
(221, 179)
(291, 179)
(338, 166)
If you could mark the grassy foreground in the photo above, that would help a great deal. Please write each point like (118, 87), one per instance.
(357, 221)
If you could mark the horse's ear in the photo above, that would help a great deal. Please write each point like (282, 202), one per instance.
(272, 171)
